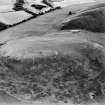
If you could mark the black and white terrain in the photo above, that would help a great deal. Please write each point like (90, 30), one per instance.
(57, 58)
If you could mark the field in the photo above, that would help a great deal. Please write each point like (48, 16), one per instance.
(57, 58)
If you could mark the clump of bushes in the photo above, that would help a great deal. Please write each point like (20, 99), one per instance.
(3, 26)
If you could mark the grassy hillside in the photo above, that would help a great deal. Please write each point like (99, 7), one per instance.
(41, 25)
(40, 62)
(91, 19)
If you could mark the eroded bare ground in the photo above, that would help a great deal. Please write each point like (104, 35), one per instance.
(57, 58)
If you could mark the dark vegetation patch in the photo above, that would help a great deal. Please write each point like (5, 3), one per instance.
(60, 77)
(3, 26)
(37, 6)
(92, 19)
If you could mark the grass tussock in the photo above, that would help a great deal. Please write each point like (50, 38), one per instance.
(57, 78)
